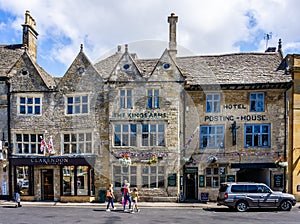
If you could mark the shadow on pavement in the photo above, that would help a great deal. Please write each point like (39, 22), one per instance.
(249, 210)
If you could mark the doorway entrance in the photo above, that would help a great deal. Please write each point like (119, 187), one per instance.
(191, 190)
(47, 185)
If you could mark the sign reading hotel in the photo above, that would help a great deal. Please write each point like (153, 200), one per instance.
(252, 117)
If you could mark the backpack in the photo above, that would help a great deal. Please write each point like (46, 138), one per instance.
(108, 194)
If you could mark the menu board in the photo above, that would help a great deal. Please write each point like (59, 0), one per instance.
(204, 196)
(201, 180)
(172, 180)
(278, 180)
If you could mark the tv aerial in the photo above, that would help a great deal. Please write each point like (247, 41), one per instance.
(267, 37)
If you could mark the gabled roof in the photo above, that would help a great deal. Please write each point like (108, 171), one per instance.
(125, 70)
(75, 79)
(227, 69)
(106, 66)
(27, 75)
(166, 69)
(9, 54)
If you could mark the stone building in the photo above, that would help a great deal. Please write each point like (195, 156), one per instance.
(293, 156)
(175, 127)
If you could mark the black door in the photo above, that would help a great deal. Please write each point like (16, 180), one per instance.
(47, 185)
(191, 192)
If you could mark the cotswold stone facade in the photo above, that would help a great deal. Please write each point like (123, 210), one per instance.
(293, 64)
(175, 127)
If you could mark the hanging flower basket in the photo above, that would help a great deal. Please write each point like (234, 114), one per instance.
(153, 159)
(125, 160)
(212, 159)
(281, 162)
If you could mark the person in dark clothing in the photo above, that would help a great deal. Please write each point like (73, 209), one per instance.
(17, 193)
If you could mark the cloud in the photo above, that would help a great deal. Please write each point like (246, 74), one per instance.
(204, 27)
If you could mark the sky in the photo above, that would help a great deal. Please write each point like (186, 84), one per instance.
(205, 27)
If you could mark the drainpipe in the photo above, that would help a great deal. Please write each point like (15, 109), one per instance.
(285, 142)
(9, 150)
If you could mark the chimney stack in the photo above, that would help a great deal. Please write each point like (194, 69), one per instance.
(172, 20)
(30, 35)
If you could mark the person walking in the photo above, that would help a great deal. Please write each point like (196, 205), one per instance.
(135, 197)
(127, 193)
(17, 193)
(110, 197)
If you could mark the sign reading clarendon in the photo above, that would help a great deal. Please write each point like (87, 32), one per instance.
(57, 161)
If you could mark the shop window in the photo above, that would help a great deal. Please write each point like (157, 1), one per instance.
(257, 102)
(152, 98)
(28, 144)
(153, 177)
(122, 173)
(214, 176)
(75, 180)
(213, 103)
(24, 174)
(212, 136)
(257, 135)
(126, 99)
(77, 143)
(82, 180)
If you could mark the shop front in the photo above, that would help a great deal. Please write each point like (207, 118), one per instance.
(55, 178)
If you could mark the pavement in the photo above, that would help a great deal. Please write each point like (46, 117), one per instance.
(117, 204)
(203, 205)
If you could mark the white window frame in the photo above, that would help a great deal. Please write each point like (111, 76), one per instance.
(77, 140)
(153, 98)
(128, 173)
(27, 145)
(215, 139)
(213, 102)
(126, 98)
(78, 104)
(155, 136)
(126, 135)
(27, 104)
(153, 178)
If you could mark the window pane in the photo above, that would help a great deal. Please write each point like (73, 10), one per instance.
(70, 100)
(37, 110)
(29, 100)
(37, 100)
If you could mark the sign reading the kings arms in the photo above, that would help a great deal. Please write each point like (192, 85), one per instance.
(138, 115)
